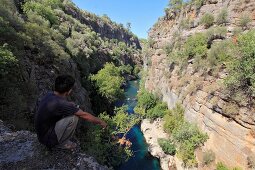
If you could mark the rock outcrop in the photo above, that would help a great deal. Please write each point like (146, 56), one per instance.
(21, 149)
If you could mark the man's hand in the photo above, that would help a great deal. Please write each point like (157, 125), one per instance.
(103, 124)
(89, 117)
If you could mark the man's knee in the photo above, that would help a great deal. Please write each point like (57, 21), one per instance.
(65, 127)
(70, 120)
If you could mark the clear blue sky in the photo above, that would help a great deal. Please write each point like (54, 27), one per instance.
(142, 14)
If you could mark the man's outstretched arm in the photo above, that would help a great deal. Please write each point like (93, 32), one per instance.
(89, 117)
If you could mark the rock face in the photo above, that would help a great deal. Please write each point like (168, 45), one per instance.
(231, 135)
(21, 149)
(231, 139)
(152, 132)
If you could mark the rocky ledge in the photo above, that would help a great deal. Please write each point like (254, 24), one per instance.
(152, 132)
(21, 150)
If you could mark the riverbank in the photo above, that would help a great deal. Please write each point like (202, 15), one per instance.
(152, 132)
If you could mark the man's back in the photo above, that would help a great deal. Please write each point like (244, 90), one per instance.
(51, 109)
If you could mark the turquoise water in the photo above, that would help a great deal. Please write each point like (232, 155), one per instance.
(141, 160)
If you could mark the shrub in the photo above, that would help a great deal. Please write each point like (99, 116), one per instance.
(109, 146)
(146, 100)
(237, 31)
(208, 157)
(174, 118)
(108, 81)
(188, 138)
(222, 17)
(7, 61)
(136, 70)
(167, 146)
(245, 19)
(207, 20)
(221, 166)
(189, 133)
(196, 45)
(220, 53)
(158, 111)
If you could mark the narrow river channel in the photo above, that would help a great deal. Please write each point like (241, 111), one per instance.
(141, 159)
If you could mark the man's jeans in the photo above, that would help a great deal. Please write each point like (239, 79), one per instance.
(65, 128)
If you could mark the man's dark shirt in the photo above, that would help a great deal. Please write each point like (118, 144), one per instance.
(51, 109)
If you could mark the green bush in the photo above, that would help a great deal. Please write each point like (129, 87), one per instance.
(207, 20)
(208, 157)
(109, 146)
(221, 52)
(174, 118)
(189, 132)
(136, 70)
(7, 61)
(167, 146)
(196, 45)
(222, 17)
(158, 111)
(108, 81)
(146, 100)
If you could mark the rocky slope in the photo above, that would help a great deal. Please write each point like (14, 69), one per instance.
(231, 137)
(21, 149)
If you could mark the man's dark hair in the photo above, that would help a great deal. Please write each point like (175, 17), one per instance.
(64, 83)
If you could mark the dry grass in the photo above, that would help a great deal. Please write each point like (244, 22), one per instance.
(230, 109)
(196, 84)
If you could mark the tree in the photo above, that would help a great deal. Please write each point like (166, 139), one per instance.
(128, 26)
(176, 4)
(108, 81)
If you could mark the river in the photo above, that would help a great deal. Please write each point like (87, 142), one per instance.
(141, 159)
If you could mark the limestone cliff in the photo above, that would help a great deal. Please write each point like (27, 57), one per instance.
(231, 136)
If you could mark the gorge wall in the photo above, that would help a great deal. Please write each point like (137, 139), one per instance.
(231, 136)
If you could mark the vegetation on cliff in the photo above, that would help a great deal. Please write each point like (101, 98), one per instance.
(110, 146)
(215, 50)
(186, 137)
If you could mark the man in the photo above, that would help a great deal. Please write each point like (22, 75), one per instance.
(56, 118)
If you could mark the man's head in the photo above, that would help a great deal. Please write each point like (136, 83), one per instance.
(64, 84)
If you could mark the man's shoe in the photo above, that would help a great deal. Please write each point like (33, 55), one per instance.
(68, 145)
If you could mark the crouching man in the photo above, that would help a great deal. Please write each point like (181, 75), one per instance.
(56, 118)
